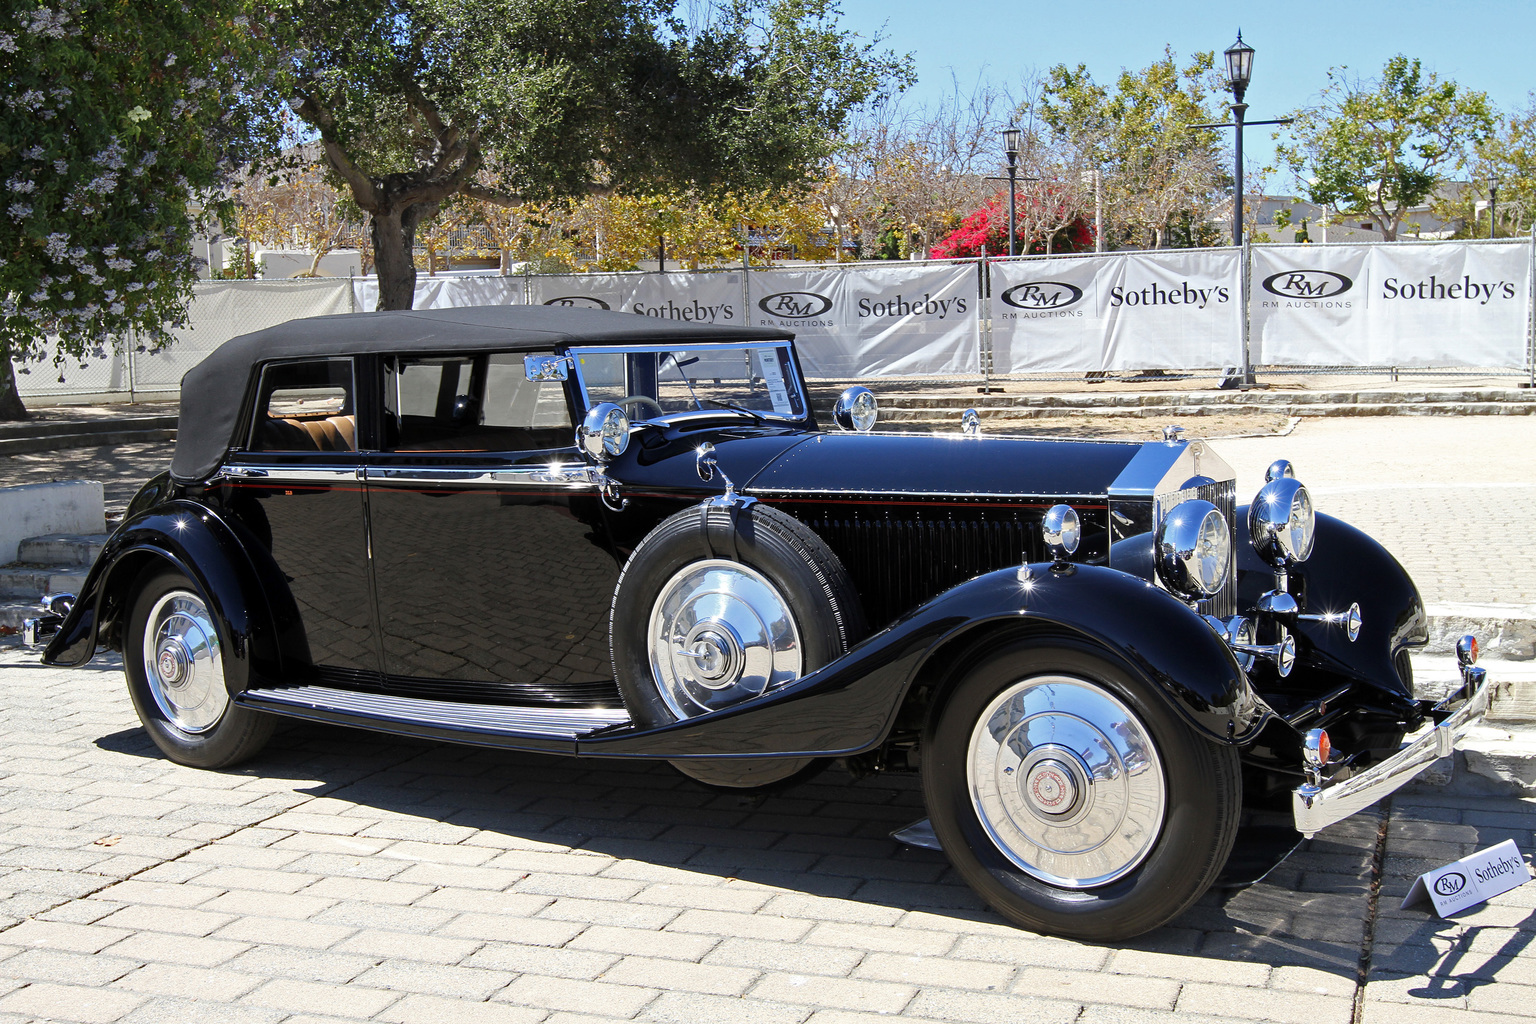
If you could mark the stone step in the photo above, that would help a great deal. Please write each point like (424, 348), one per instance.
(61, 549)
(33, 581)
(51, 427)
(104, 434)
(14, 612)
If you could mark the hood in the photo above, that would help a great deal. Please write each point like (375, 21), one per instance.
(951, 464)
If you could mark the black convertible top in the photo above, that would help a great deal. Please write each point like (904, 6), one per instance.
(212, 391)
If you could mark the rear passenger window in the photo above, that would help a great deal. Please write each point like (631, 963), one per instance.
(480, 403)
(306, 407)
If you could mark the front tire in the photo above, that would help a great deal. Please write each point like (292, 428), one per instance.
(173, 658)
(1072, 796)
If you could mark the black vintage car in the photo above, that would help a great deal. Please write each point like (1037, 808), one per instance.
(599, 534)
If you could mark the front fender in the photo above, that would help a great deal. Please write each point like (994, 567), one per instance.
(849, 706)
(196, 542)
(1346, 565)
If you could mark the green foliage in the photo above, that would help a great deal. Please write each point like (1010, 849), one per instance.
(1506, 157)
(518, 101)
(1381, 148)
(118, 119)
(1157, 173)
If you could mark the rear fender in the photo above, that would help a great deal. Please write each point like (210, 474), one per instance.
(850, 705)
(194, 541)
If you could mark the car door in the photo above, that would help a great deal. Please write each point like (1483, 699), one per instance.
(492, 572)
(296, 486)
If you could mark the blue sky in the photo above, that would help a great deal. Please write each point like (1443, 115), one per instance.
(1483, 45)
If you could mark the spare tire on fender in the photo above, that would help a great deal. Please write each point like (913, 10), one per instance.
(719, 605)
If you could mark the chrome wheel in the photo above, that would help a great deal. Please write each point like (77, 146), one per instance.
(720, 633)
(183, 663)
(1066, 781)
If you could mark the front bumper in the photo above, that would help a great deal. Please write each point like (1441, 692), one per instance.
(1317, 804)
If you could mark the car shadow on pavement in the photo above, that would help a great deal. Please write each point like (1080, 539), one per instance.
(823, 843)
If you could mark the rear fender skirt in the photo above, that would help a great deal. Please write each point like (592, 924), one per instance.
(1347, 565)
(194, 541)
(850, 705)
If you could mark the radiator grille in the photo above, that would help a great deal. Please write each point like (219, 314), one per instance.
(897, 564)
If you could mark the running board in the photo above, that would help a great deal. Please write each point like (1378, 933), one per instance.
(497, 725)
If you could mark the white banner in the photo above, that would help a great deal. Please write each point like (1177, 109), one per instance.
(863, 321)
(1137, 311)
(1451, 304)
(444, 292)
(710, 298)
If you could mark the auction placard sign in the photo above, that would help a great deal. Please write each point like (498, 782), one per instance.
(1452, 304)
(1471, 880)
(863, 321)
(1125, 311)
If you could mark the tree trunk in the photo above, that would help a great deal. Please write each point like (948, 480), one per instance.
(10, 399)
(394, 253)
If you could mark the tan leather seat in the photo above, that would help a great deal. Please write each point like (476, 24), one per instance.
(318, 434)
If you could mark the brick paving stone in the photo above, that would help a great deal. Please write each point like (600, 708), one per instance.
(575, 964)
(77, 938)
(309, 997)
(1286, 1008)
(843, 993)
(959, 1005)
(644, 942)
(581, 996)
(693, 1007)
(158, 947)
(70, 1003)
(470, 983)
(435, 949)
(922, 970)
(756, 926)
(188, 982)
(301, 964)
(429, 1009)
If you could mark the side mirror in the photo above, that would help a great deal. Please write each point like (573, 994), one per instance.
(539, 369)
(604, 433)
(856, 409)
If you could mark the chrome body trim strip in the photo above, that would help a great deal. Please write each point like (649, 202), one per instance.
(564, 723)
(1317, 807)
(558, 474)
(278, 473)
(819, 492)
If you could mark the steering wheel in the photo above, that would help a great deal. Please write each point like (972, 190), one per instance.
(642, 401)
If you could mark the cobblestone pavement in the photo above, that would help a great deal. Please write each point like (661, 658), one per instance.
(348, 876)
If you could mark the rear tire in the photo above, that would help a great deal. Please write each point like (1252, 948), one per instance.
(173, 661)
(1073, 797)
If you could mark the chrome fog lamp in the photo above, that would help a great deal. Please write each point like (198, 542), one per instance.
(856, 409)
(604, 433)
(1062, 531)
(1281, 523)
(1194, 549)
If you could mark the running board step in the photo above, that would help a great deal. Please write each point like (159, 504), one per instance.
(387, 710)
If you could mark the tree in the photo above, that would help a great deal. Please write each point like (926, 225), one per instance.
(1156, 173)
(1381, 148)
(1506, 157)
(519, 101)
(119, 119)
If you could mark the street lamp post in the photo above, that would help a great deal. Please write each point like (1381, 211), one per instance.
(1011, 148)
(1493, 203)
(1239, 72)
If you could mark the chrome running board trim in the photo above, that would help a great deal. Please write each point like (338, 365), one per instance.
(550, 723)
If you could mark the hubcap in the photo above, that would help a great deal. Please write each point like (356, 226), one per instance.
(720, 633)
(1066, 781)
(183, 663)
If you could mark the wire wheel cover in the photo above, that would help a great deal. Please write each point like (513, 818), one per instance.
(720, 633)
(183, 663)
(1066, 781)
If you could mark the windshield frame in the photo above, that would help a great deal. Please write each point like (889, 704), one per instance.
(795, 378)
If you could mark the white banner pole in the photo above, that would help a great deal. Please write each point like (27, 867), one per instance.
(1247, 380)
(1530, 340)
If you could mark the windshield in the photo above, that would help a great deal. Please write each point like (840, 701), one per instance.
(654, 380)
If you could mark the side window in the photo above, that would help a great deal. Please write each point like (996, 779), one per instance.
(481, 403)
(305, 407)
